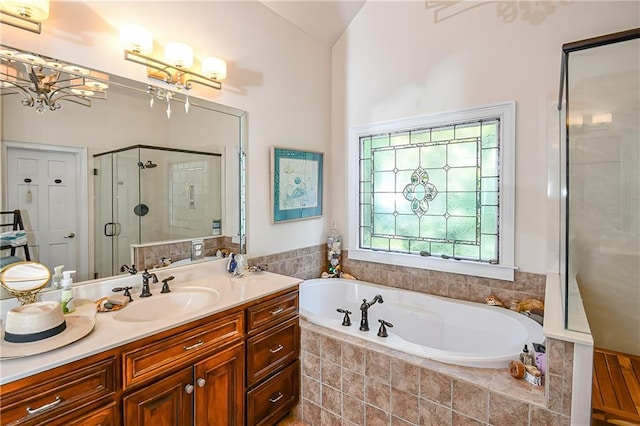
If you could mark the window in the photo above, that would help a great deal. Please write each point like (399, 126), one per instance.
(436, 192)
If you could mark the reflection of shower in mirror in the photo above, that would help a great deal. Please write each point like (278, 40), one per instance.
(148, 165)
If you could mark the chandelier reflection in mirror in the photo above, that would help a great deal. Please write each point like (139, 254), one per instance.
(44, 82)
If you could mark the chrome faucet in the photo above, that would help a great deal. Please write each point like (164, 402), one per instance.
(145, 283)
(364, 309)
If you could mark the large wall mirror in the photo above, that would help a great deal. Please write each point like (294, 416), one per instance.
(136, 165)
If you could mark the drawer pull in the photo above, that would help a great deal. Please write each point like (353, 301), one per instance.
(57, 401)
(277, 398)
(188, 388)
(276, 349)
(195, 345)
(201, 382)
(276, 311)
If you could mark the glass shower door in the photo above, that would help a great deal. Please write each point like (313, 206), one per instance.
(117, 225)
(603, 189)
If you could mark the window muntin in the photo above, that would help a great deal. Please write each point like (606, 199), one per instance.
(432, 190)
(380, 151)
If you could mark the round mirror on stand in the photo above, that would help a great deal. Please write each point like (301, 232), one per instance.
(24, 280)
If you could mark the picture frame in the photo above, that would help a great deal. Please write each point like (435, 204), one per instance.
(296, 185)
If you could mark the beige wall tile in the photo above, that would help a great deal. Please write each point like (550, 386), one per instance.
(470, 400)
(507, 411)
(434, 414)
(405, 406)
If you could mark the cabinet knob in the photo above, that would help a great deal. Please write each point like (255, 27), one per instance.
(201, 382)
(188, 388)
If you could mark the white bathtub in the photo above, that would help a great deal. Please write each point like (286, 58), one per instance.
(439, 328)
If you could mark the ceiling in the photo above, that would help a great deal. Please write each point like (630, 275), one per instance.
(323, 20)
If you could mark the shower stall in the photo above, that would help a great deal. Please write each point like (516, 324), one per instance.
(146, 194)
(600, 168)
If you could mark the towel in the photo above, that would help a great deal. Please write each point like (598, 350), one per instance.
(14, 238)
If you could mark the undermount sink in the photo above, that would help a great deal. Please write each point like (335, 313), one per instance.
(160, 306)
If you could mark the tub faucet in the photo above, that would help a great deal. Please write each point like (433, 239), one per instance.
(145, 283)
(364, 309)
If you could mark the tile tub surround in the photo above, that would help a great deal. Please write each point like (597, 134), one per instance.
(149, 256)
(349, 381)
(310, 262)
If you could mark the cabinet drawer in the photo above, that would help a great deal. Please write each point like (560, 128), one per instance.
(147, 362)
(272, 311)
(43, 401)
(273, 398)
(106, 416)
(272, 349)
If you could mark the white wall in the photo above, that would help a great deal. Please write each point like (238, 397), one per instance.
(277, 73)
(403, 59)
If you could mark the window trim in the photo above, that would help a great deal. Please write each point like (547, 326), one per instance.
(506, 112)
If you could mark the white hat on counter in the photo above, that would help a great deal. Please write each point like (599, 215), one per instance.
(41, 327)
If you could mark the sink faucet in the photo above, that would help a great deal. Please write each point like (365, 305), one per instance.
(364, 309)
(130, 269)
(145, 283)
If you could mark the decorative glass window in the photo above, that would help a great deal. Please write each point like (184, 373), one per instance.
(437, 189)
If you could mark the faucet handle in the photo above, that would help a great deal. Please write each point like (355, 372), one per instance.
(165, 285)
(126, 292)
(382, 332)
(346, 321)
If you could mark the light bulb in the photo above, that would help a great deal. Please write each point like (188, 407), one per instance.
(37, 10)
(179, 55)
(137, 39)
(214, 68)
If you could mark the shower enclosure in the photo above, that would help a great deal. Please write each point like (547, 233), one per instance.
(600, 149)
(146, 194)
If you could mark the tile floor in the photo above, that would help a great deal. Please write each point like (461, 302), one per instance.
(290, 420)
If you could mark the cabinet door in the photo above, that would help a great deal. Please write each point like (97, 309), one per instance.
(219, 396)
(168, 402)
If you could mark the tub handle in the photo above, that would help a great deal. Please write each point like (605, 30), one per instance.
(346, 321)
(382, 332)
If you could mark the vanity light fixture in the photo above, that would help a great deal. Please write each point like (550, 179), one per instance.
(176, 68)
(24, 14)
(43, 82)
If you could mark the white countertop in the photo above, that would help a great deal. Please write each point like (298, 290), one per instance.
(110, 333)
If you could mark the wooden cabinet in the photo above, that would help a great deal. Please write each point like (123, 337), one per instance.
(208, 390)
(61, 393)
(219, 389)
(273, 369)
(273, 398)
(166, 402)
(235, 367)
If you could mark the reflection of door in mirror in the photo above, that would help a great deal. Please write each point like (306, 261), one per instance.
(43, 185)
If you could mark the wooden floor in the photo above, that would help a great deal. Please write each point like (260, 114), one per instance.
(616, 388)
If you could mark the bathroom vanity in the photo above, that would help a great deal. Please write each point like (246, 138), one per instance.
(233, 363)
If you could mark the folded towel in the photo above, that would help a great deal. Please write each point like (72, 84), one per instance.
(13, 238)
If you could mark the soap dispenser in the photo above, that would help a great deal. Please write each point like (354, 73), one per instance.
(68, 304)
(57, 277)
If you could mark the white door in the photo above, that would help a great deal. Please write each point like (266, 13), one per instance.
(43, 185)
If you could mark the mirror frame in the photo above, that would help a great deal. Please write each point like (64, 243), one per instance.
(25, 295)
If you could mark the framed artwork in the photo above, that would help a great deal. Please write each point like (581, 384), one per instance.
(296, 184)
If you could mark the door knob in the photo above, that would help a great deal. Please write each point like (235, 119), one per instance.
(188, 388)
(71, 235)
(201, 382)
